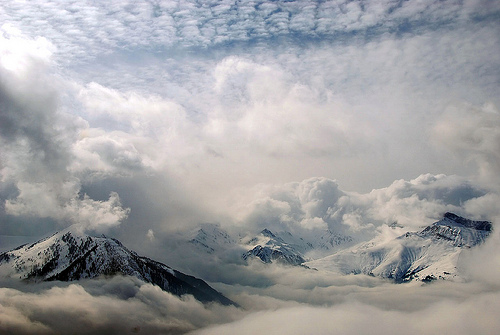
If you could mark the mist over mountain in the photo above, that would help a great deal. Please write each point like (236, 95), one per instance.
(429, 254)
(71, 255)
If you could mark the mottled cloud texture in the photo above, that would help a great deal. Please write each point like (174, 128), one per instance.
(145, 119)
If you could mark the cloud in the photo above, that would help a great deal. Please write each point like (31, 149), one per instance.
(355, 318)
(473, 134)
(162, 115)
(418, 202)
(150, 235)
(36, 200)
(320, 203)
(113, 306)
(29, 107)
(99, 154)
(358, 303)
(130, 111)
(37, 139)
(302, 300)
(86, 30)
(299, 300)
(266, 109)
(13, 45)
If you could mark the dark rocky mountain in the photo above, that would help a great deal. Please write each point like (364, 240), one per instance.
(72, 255)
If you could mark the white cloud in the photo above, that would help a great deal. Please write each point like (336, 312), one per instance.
(319, 203)
(41, 200)
(119, 305)
(18, 54)
(417, 202)
(37, 139)
(150, 235)
(473, 134)
(100, 153)
(355, 318)
(86, 29)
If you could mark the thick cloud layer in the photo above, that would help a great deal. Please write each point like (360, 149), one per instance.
(112, 306)
(299, 301)
(473, 134)
(38, 137)
(319, 203)
(355, 318)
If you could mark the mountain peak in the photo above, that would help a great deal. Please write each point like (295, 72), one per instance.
(72, 255)
(266, 232)
(458, 231)
(430, 254)
(478, 225)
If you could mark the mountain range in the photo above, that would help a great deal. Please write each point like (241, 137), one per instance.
(429, 254)
(432, 253)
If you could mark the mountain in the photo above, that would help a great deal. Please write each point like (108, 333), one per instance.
(272, 248)
(425, 255)
(460, 232)
(286, 248)
(72, 255)
(269, 246)
(211, 238)
(327, 242)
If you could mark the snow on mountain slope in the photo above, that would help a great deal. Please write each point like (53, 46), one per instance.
(272, 248)
(459, 231)
(429, 254)
(328, 242)
(286, 248)
(269, 246)
(72, 255)
(211, 238)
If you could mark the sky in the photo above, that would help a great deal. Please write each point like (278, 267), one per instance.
(141, 119)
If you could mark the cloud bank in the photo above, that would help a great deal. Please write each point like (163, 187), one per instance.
(113, 306)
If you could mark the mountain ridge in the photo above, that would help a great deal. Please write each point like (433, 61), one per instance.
(429, 254)
(71, 255)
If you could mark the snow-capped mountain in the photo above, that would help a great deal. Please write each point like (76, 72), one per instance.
(460, 232)
(72, 255)
(426, 255)
(211, 238)
(286, 248)
(272, 248)
(329, 242)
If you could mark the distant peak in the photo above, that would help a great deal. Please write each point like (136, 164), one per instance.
(479, 225)
(268, 233)
(452, 216)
